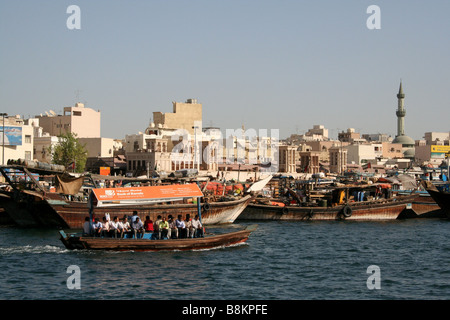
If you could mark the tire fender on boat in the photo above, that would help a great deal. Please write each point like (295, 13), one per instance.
(285, 210)
(347, 211)
(206, 206)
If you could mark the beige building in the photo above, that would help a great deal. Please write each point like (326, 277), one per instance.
(18, 139)
(288, 156)
(431, 154)
(338, 159)
(84, 122)
(99, 147)
(392, 150)
(350, 136)
(309, 161)
(43, 146)
(184, 116)
(437, 138)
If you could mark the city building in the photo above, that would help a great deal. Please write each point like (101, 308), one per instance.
(184, 116)
(288, 156)
(437, 138)
(16, 138)
(79, 120)
(431, 154)
(338, 159)
(351, 136)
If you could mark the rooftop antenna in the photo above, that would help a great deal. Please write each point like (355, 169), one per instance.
(77, 95)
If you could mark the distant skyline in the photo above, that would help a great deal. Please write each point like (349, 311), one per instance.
(284, 65)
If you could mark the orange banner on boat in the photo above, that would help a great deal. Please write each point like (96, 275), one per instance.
(153, 192)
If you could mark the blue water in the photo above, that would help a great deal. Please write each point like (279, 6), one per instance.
(280, 261)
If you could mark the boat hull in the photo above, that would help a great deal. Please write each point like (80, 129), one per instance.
(367, 210)
(54, 212)
(111, 244)
(442, 199)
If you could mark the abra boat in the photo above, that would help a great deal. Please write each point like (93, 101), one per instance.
(386, 207)
(208, 242)
(31, 204)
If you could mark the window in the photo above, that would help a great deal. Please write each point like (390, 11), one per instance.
(77, 113)
(27, 139)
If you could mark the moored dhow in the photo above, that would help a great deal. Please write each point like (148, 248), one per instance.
(440, 196)
(31, 204)
(338, 206)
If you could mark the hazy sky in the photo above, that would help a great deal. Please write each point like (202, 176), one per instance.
(283, 65)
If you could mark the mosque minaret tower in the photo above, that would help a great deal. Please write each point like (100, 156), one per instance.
(408, 144)
(401, 112)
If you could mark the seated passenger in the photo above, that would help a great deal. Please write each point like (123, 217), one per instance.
(156, 231)
(164, 228)
(87, 231)
(120, 231)
(173, 230)
(133, 217)
(105, 227)
(198, 227)
(189, 228)
(126, 227)
(148, 224)
(179, 223)
(138, 228)
(98, 226)
(113, 226)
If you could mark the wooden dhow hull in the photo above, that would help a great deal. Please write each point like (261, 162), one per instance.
(442, 198)
(112, 244)
(52, 211)
(385, 209)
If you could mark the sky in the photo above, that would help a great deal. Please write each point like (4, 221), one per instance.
(264, 64)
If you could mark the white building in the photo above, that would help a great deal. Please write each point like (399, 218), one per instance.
(363, 153)
(18, 139)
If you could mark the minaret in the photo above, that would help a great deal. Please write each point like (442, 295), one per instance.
(401, 112)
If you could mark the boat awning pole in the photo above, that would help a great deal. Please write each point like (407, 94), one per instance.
(199, 209)
(91, 211)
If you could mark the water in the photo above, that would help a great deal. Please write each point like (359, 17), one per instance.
(280, 261)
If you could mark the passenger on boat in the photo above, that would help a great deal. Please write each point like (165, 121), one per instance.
(164, 228)
(119, 228)
(181, 226)
(197, 225)
(148, 224)
(87, 227)
(126, 227)
(138, 228)
(133, 217)
(189, 228)
(156, 231)
(113, 228)
(105, 227)
(97, 228)
(173, 230)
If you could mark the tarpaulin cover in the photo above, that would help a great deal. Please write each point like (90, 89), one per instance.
(67, 184)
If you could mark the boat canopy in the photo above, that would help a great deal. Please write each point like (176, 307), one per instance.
(145, 195)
